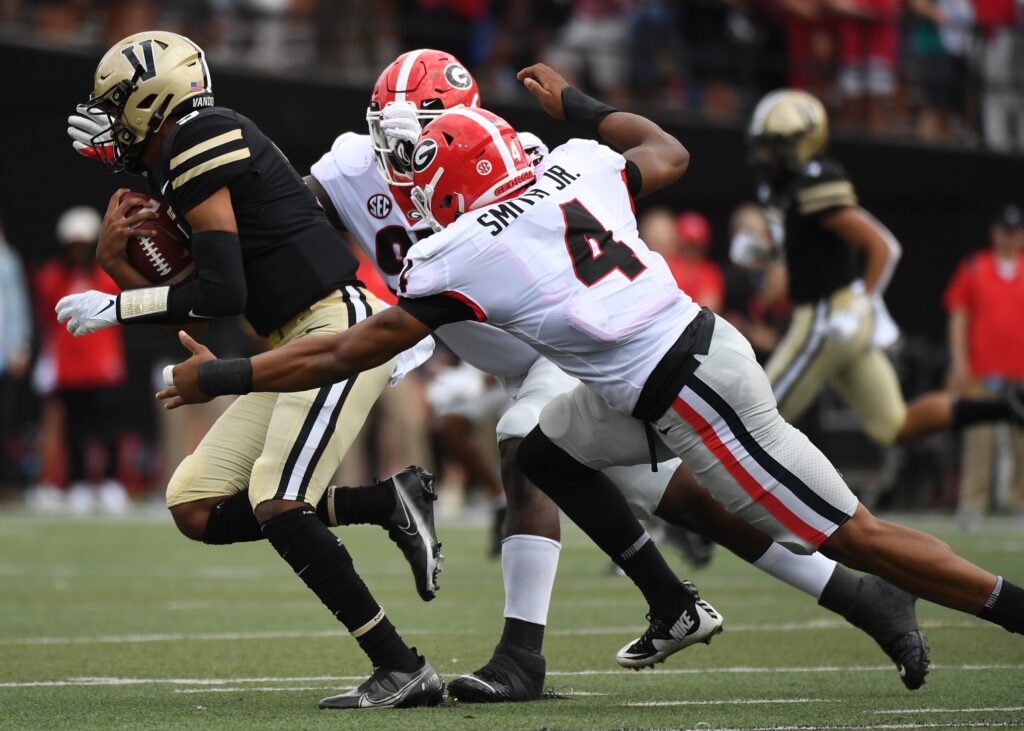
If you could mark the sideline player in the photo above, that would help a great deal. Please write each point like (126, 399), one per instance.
(262, 247)
(839, 324)
(363, 183)
(642, 348)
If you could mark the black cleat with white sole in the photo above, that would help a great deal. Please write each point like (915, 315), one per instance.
(411, 526)
(512, 674)
(699, 622)
(889, 616)
(392, 689)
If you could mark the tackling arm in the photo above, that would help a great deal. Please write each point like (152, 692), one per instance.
(324, 199)
(660, 157)
(307, 363)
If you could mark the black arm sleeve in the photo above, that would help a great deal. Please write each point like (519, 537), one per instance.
(437, 310)
(634, 180)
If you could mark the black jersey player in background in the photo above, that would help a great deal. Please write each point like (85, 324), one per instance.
(263, 248)
(840, 325)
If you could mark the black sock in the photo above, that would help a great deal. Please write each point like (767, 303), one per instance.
(525, 634)
(350, 505)
(840, 591)
(594, 504)
(323, 563)
(977, 411)
(1005, 607)
(232, 521)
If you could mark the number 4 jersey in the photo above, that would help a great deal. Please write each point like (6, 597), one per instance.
(562, 268)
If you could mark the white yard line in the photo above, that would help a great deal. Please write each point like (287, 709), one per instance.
(826, 624)
(994, 709)
(266, 689)
(871, 727)
(99, 681)
(734, 701)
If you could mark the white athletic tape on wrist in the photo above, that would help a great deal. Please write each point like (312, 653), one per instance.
(134, 303)
(169, 376)
(369, 625)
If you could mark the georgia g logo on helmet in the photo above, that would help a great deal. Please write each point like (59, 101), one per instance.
(457, 76)
(423, 155)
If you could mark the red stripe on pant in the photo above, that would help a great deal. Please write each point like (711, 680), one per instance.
(750, 485)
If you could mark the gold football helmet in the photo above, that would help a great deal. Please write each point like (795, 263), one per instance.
(788, 129)
(139, 82)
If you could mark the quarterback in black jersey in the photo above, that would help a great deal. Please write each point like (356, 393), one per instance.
(263, 248)
(840, 325)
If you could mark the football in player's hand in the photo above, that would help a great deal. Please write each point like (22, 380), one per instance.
(165, 257)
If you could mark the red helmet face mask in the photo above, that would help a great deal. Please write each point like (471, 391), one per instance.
(464, 160)
(433, 82)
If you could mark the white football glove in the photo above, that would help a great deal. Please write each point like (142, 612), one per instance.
(401, 129)
(87, 312)
(533, 146)
(90, 133)
(844, 324)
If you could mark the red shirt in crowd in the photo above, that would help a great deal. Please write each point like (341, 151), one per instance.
(994, 306)
(701, 279)
(91, 361)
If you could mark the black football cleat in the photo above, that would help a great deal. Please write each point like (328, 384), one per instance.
(699, 622)
(888, 615)
(411, 526)
(513, 674)
(392, 689)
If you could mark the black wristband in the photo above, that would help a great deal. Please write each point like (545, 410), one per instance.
(584, 111)
(220, 377)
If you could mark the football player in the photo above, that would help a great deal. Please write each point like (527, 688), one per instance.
(555, 260)
(839, 325)
(363, 182)
(263, 248)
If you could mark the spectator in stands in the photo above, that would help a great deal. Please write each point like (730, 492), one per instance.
(985, 300)
(1001, 26)
(683, 242)
(810, 47)
(85, 373)
(594, 46)
(940, 40)
(15, 350)
(868, 40)
(755, 296)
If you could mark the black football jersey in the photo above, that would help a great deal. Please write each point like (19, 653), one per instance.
(291, 254)
(818, 261)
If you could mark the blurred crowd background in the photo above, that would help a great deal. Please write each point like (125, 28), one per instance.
(947, 71)
(80, 433)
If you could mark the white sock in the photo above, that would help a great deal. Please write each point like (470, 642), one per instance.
(528, 565)
(807, 573)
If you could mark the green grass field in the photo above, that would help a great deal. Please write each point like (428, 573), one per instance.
(124, 624)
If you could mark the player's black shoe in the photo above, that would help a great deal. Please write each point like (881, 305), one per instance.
(412, 526)
(393, 689)
(512, 674)
(888, 615)
(697, 623)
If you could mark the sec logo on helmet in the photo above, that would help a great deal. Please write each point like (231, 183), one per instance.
(423, 155)
(457, 76)
(484, 167)
(379, 205)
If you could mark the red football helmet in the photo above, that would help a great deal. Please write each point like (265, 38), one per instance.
(433, 81)
(464, 160)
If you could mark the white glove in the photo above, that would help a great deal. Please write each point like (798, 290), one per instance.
(401, 129)
(750, 250)
(844, 324)
(90, 133)
(87, 312)
(533, 146)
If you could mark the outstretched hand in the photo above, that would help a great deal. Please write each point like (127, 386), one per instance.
(547, 85)
(185, 376)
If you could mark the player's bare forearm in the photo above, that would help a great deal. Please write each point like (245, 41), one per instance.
(324, 199)
(861, 232)
(320, 360)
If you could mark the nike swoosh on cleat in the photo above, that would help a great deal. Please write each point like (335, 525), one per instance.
(903, 671)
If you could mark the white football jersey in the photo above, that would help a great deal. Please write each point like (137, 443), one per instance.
(365, 204)
(563, 268)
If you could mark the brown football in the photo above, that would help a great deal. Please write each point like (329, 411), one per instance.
(164, 258)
